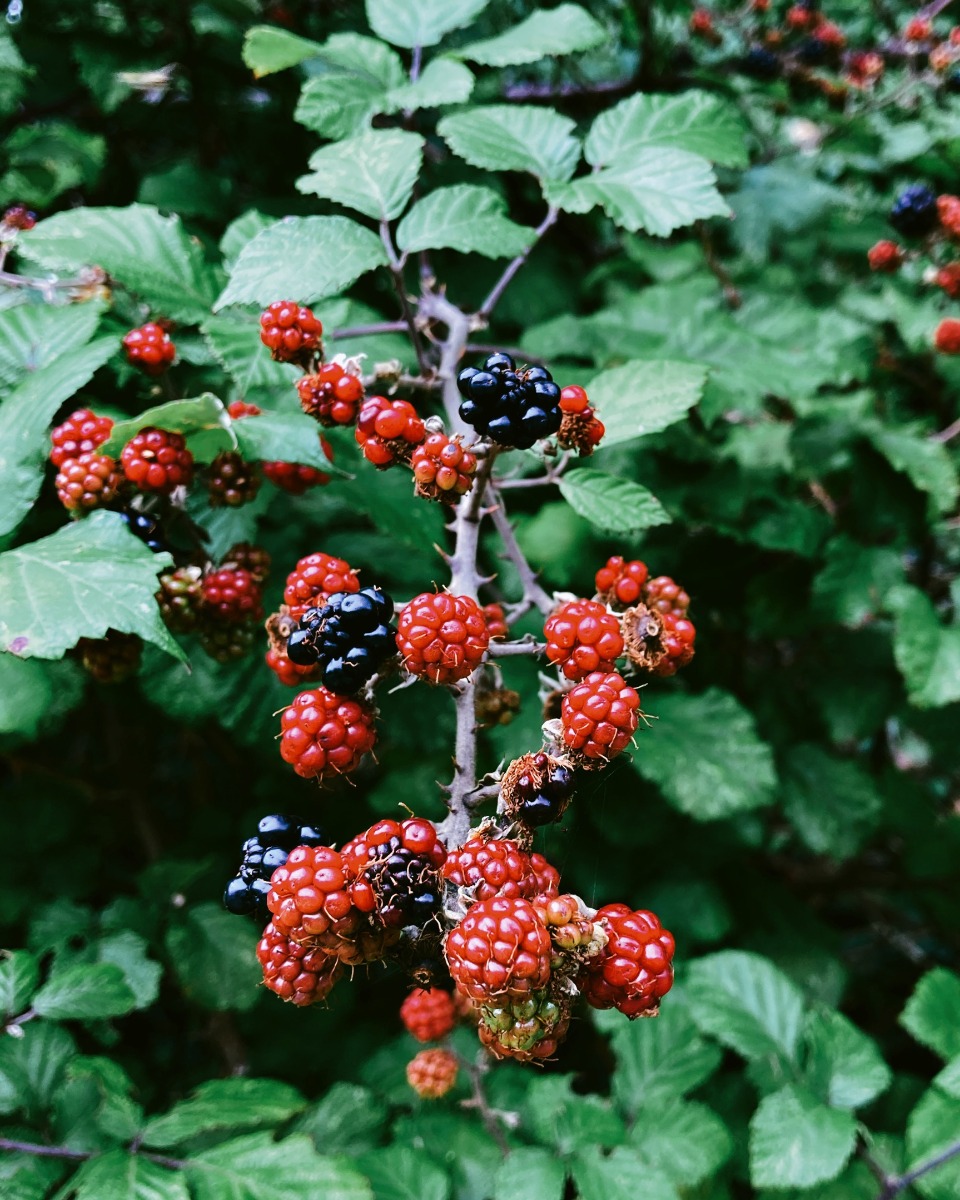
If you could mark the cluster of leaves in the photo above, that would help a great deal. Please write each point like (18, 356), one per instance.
(793, 816)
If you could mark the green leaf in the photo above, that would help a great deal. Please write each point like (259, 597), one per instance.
(346, 1121)
(620, 1175)
(234, 338)
(691, 120)
(855, 581)
(949, 1078)
(306, 258)
(932, 1014)
(464, 217)
(373, 173)
(213, 957)
(530, 1172)
(339, 106)
(746, 1003)
(832, 803)
(514, 138)
(33, 335)
(412, 23)
(844, 1066)
(203, 421)
(283, 437)
(933, 1127)
(19, 976)
(926, 463)
(119, 1175)
(735, 769)
(255, 1167)
(657, 190)
(612, 505)
(224, 1104)
(777, 198)
(642, 397)
(401, 1173)
(927, 653)
(86, 578)
(128, 951)
(94, 1099)
(561, 1118)
(442, 82)
(85, 992)
(687, 1141)
(148, 253)
(240, 231)
(393, 508)
(548, 33)
(32, 1066)
(25, 417)
(267, 49)
(795, 1141)
(36, 694)
(658, 1061)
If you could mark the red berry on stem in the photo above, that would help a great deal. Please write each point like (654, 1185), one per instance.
(442, 638)
(600, 716)
(331, 395)
(885, 256)
(325, 734)
(635, 969)
(239, 409)
(295, 971)
(231, 481)
(433, 1073)
(313, 579)
(149, 347)
(388, 430)
(290, 331)
(496, 621)
(157, 460)
(947, 336)
(89, 481)
(428, 1014)
(620, 583)
(289, 673)
(501, 948)
(81, 433)
(665, 595)
(442, 468)
(492, 867)
(231, 595)
(582, 637)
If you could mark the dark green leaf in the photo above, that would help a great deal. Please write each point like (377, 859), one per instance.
(119, 1175)
(85, 992)
(400, 1173)
(932, 1014)
(934, 1127)
(258, 1168)
(34, 335)
(224, 1104)
(844, 1066)
(687, 1142)
(19, 976)
(565, 1120)
(347, 1120)
(927, 652)
(32, 1066)
(831, 803)
(641, 397)
(620, 1175)
(128, 951)
(530, 1172)
(213, 956)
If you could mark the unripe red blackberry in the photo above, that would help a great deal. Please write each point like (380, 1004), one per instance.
(885, 256)
(947, 336)
(157, 460)
(297, 478)
(248, 557)
(428, 1014)
(496, 621)
(240, 408)
(231, 482)
(290, 331)
(395, 868)
(90, 481)
(490, 867)
(180, 600)
(313, 579)
(81, 433)
(599, 717)
(231, 596)
(582, 637)
(442, 638)
(581, 429)
(948, 279)
(634, 971)
(18, 216)
(290, 673)
(295, 971)
(620, 583)
(527, 1029)
(149, 348)
(324, 734)
(388, 430)
(433, 1073)
(664, 595)
(442, 468)
(331, 395)
(500, 950)
(678, 639)
(227, 643)
(110, 659)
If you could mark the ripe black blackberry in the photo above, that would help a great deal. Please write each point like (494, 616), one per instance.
(513, 407)
(540, 791)
(146, 527)
(914, 212)
(760, 63)
(276, 836)
(349, 638)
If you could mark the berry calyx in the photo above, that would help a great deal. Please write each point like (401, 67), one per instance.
(582, 637)
(442, 468)
(442, 638)
(491, 867)
(395, 867)
(388, 430)
(619, 583)
(665, 595)
(324, 734)
(914, 212)
(149, 347)
(113, 658)
(947, 336)
(81, 433)
(314, 579)
(90, 481)
(885, 256)
(634, 971)
(513, 406)
(295, 971)
(581, 429)
(501, 949)
(433, 1073)
(349, 638)
(331, 395)
(157, 460)
(290, 331)
(231, 482)
(428, 1014)
(290, 673)
(180, 600)
(231, 595)
(599, 717)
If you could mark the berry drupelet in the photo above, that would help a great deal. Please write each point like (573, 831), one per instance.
(914, 212)
(513, 407)
(349, 638)
(268, 849)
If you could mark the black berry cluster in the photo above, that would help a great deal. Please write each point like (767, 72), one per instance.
(914, 211)
(276, 836)
(349, 638)
(760, 63)
(407, 885)
(147, 529)
(542, 794)
(513, 407)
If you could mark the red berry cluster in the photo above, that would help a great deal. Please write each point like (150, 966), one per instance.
(149, 347)
(442, 468)
(313, 579)
(222, 604)
(293, 478)
(332, 395)
(625, 584)
(581, 428)
(323, 734)
(85, 479)
(599, 717)
(290, 331)
(113, 658)
(428, 1014)
(18, 216)
(635, 969)
(388, 430)
(488, 867)
(582, 637)
(442, 638)
(433, 1073)
(157, 460)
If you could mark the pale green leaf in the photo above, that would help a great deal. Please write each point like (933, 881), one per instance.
(86, 578)
(949, 1078)
(514, 138)
(932, 1014)
(443, 81)
(412, 23)
(795, 1141)
(234, 338)
(747, 1003)
(620, 1175)
(267, 49)
(33, 335)
(735, 769)
(373, 173)
(548, 33)
(339, 105)
(256, 1167)
(832, 803)
(927, 653)
(224, 1104)
(402, 1173)
(560, 1117)
(612, 505)
(283, 437)
(934, 1127)
(464, 217)
(531, 1172)
(213, 957)
(305, 258)
(240, 231)
(690, 120)
(687, 1141)
(641, 397)
(19, 976)
(203, 421)
(119, 1175)
(151, 255)
(85, 992)
(844, 1066)
(348, 1120)
(128, 951)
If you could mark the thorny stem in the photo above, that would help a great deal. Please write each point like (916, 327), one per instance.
(491, 1119)
(68, 1155)
(396, 270)
(356, 331)
(534, 595)
(893, 1185)
(948, 434)
(487, 307)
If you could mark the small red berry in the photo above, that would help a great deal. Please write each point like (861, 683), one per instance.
(581, 429)
(948, 210)
(947, 336)
(325, 734)
(496, 621)
(428, 1014)
(240, 408)
(388, 430)
(249, 557)
(600, 716)
(863, 68)
(442, 638)
(830, 33)
(157, 460)
(491, 867)
(149, 348)
(948, 278)
(179, 599)
(331, 395)
(582, 637)
(919, 29)
(231, 595)
(885, 256)
(635, 969)
(501, 948)
(295, 971)
(289, 673)
(89, 481)
(81, 433)
(290, 331)
(663, 595)
(442, 468)
(18, 216)
(433, 1073)
(313, 579)
(701, 23)
(619, 583)
(800, 16)
(296, 478)
(678, 639)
